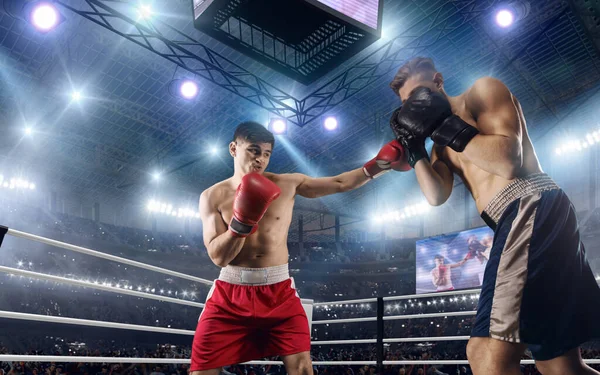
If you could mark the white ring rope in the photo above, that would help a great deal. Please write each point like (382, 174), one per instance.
(436, 294)
(91, 323)
(98, 254)
(74, 359)
(395, 317)
(114, 258)
(58, 279)
(424, 339)
(345, 342)
(366, 300)
(432, 315)
(350, 320)
(135, 327)
(396, 298)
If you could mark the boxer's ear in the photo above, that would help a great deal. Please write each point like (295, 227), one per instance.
(232, 149)
(438, 79)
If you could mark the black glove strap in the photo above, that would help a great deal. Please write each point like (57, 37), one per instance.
(240, 228)
(416, 154)
(454, 133)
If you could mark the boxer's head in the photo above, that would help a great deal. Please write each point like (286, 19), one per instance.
(420, 71)
(251, 147)
(438, 259)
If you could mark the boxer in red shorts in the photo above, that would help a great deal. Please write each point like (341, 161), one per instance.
(253, 310)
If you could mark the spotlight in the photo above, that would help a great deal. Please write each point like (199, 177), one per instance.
(76, 96)
(188, 89)
(512, 12)
(156, 176)
(505, 18)
(278, 126)
(214, 150)
(43, 15)
(28, 130)
(145, 11)
(185, 89)
(330, 124)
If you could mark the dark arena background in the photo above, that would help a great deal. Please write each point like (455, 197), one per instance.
(115, 115)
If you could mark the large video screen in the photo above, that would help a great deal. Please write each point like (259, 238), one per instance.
(363, 11)
(453, 261)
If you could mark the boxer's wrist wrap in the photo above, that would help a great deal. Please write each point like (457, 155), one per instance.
(454, 133)
(416, 154)
(239, 229)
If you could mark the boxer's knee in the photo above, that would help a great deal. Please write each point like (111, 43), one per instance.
(476, 351)
(298, 364)
(569, 363)
(215, 371)
(491, 356)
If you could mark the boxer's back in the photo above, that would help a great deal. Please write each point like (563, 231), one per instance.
(482, 184)
(268, 246)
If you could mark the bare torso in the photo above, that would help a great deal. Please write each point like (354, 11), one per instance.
(483, 185)
(268, 245)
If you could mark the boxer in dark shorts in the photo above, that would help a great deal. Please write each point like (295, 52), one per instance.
(538, 290)
(253, 310)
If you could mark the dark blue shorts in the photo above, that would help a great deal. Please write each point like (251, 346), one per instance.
(538, 288)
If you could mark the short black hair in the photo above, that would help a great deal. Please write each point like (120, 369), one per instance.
(253, 132)
(438, 256)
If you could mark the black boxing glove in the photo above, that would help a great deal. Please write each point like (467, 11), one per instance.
(414, 147)
(455, 133)
(422, 112)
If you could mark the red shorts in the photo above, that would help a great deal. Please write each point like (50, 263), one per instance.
(241, 323)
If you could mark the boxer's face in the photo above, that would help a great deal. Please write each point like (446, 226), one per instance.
(438, 262)
(435, 84)
(250, 157)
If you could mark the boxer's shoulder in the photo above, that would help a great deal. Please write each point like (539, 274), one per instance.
(217, 192)
(485, 93)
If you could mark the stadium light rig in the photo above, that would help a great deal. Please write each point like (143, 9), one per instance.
(399, 215)
(579, 145)
(167, 209)
(43, 15)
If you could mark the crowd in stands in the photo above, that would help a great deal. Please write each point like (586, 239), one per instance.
(22, 294)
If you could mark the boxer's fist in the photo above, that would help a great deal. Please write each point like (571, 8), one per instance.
(391, 156)
(252, 199)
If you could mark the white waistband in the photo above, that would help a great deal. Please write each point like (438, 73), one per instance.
(254, 276)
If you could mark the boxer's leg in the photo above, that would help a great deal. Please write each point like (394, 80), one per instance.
(298, 364)
(215, 371)
(489, 356)
(569, 363)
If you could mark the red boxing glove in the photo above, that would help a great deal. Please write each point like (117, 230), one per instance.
(252, 199)
(469, 255)
(391, 156)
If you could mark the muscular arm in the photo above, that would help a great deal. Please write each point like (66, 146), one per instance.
(222, 246)
(457, 264)
(435, 178)
(435, 277)
(498, 148)
(310, 187)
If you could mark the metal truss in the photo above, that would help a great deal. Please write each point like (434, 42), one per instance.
(198, 59)
(589, 12)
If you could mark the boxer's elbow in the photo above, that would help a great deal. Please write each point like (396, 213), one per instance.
(219, 261)
(436, 197)
(217, 257)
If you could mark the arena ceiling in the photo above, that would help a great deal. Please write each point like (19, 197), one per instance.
(128, 125)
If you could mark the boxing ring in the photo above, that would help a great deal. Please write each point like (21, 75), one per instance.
(379, 319)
